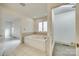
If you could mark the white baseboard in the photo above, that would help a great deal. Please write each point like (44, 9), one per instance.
(66, 43)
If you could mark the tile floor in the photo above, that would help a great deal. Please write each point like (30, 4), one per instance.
(64, 50)
(15, 48)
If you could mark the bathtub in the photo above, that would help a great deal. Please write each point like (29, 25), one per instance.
(36, 41)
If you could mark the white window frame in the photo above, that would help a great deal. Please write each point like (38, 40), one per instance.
(43, 26)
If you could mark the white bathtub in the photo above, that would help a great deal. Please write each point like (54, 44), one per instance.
(36, 41)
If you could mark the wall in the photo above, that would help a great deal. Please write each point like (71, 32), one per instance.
(9, 22)
(0, 29)
(17, 28)
(64, 27)
(36, 21)
(8, 15)
(77, 29)
(27, 25)
(21, 23)
(0, 24)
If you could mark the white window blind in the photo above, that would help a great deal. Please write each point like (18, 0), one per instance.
(42, 26)
(45, 26)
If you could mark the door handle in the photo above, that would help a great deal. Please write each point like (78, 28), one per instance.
(0, 35)
(77, 44)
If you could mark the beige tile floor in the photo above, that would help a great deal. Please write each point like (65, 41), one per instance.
(15, 48)
(77, 50)
(36, 41)
(25, 50)
(8, 45)
(64, 50)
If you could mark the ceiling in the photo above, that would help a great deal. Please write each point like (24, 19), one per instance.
(31, 10)
(64, 8)
(35, 10)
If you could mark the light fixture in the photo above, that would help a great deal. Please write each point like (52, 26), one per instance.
(22, 4)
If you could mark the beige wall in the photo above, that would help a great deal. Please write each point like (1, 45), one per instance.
(37, 20)
(65, 24)
(77, 21)
(20, 22)
(8, 15)
(1, 38)
(50, 41)
(27, 25)
(77, 28)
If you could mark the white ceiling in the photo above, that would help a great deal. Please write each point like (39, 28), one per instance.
(33, 10)
(64, 8)
(29, 10)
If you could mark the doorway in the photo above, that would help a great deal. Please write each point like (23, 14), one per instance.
(12, 30)
(8, 30)
(64, 30)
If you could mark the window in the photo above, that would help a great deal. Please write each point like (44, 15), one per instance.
(45, 26)
(12, 29)
(7, 33)
(42, 26)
